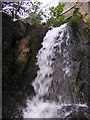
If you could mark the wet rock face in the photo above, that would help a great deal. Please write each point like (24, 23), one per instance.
(20, 46)
(80, 115)
(84, 35)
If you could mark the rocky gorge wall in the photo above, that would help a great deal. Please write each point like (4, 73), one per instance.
(20, 43)
(81, 49)
(84, 39)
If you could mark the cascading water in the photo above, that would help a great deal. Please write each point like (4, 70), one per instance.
(53, 85)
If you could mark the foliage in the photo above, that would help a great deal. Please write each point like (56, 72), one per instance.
(18, 10)
(73, 22)
(56, 16)
(79, 83)
(32, 10)
(15, 9)
(35, 14)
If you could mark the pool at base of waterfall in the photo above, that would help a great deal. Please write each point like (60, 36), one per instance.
(42, 109)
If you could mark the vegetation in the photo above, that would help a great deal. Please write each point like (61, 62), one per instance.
(34, 13)
(14, 9)
(17, 10)
(79, 83)
(73, 21)
(56, 16)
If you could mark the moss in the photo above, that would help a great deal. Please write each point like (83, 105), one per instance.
(79, 83)
(74, 24)
(78, 75)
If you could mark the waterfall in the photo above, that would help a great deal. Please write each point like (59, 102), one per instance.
(53, 85)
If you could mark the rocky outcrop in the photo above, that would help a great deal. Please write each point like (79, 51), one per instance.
(84, 37)
(20, 43)
(81, 53)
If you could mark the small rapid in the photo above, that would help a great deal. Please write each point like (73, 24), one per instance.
(53, 85)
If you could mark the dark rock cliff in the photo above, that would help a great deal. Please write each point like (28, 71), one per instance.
(20, 43)
(81, 54)
(84, 39)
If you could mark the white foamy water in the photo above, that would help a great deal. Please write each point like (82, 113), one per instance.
(45, 56)
(38, 107)
(42, 109)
